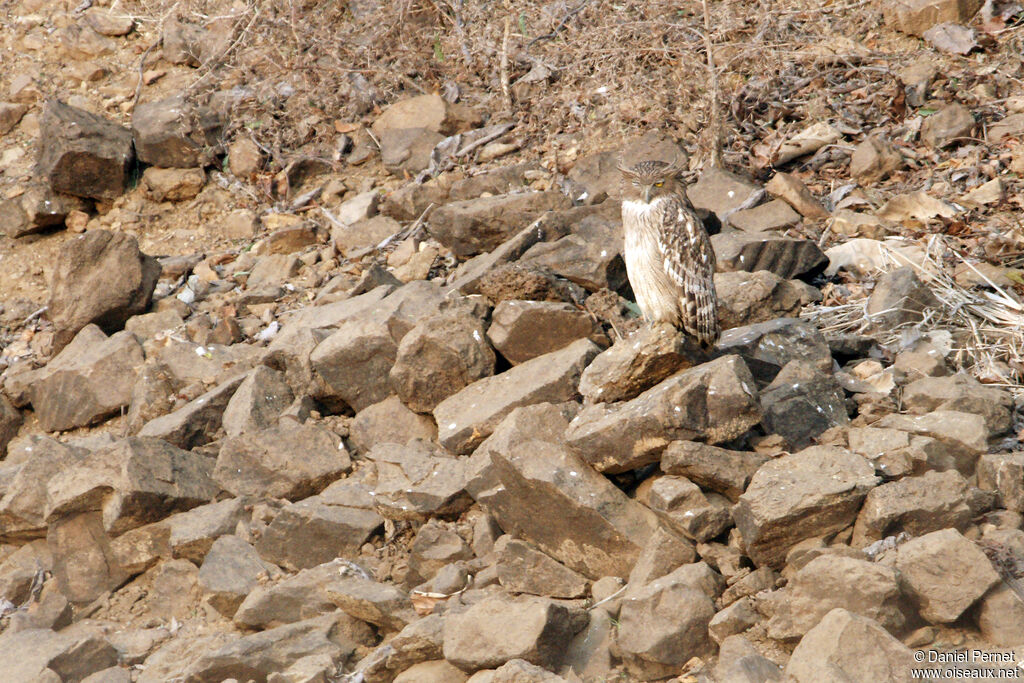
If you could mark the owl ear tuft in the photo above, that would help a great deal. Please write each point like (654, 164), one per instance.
(675, 167)
(625, 170)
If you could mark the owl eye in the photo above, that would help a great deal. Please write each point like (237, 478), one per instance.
(659, 183)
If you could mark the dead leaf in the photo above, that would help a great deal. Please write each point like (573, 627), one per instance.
(423, 603)
(346, 127)
(805, 142)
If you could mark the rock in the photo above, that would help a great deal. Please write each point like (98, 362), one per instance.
(31, 462)
(173, 184)
(848, 647)
(663, 624)
(432, 112)
(740, 662)
(1011, 126)
(191, 534)
(834, 581)
(407, 151)
(273, 269)
(434, 547)
(244, 158)
(133, 482)
(363, 234)
(717, 469)
(36, 209)
(289, 460)
(801, 403)
(292, 238)
(358, 208)
(720, 192)
(791, 189)
(469, 416)
(899, 297)
(685, 508)
(524, 569)
(10, 423)
(354, 362)
(544, 494)
(1000, 616)
(87, 382)
(380, 604)
(239, 224)
(798, 496)
(43, 655)
(636, 363)
(438, 671)
(516, 282)
(318, 529)
(82, 153)
(992, 192)
(787, 257)
(176, 133)
(590, 256)
(916, 505)
(1001, 472)
(472, 226)
(521, 330)
(10, 115)
(388, 422)
(418, 480)
(663, 553)
(749, 298)
(917, 16)
(100, 277)
(769, 346)
(420, 641)
(439, 357)
(195, 423)
(963, 393)
(257, 403)
(83, 562)
(943, 574)
(230, 572)
(408, 202)
(496, 181)
(715, 402)
(874, 159)
(963, 436)
(854, 224)
(775, 215)
(949, 126)
(736, 618)
(149, 325)
(261, 654)
(500, 628)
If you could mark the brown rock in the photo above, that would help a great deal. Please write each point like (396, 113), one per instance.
(787, 257)
(43, 655)
(740, 662)
(847, 647)
(802, 402)
(289, 460)
(795, 193)
(769, 346)
(36, 209)
(406, 151)
(10, 115)
(230, 572)
(195, 423)
(720, 191)
(943, 573)
(418, 480)
(714, 401)
(833, 581)
(664, 553)
(476, 225)
(590, 526)
(899, 297)
(81, 153)
(173, 184)
(83, 563)
(521, 330)
(31, 462)
(244, 158)
(363, 234)
(1002, 473)
(948, 126)
(717, 469)
(500, 628)
(874, 159)
(257, 403)
(432, 112)
(524, 569)
(469, 416)
(636, 363)
(590, 255)
(388, 422)
(749, 298)
(380, 604)
(811, 493)
(963, 436)
(100, 277)
(10, 423)
(960, 392)
(439, 357)
(176, 133)
(775, 215)
(686, 509)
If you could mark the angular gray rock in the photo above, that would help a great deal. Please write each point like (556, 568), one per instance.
(749, 298)
(715, 402)
(230, 572)
(787, 257)
(963, 436)
(943, 574)
(847, 647)
(36, 209)
(31, 462)
(100, 277)
(176, 132)
(767, 347)
(501, 628)
(289, 460)
(82, 153)
(196, 423)
(546, 495)
(257, 403)
(637, 362)
(388, 422)
(798, 496)
(963, 393)
(716, 469)
(524, 569)
(521, 330)
(802, 402)
(899, 297)
(1002, 473)
(418, 480)
(469, 416)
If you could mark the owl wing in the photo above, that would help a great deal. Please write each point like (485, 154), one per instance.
(689, 259)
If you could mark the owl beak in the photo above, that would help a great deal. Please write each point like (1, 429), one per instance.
(647, 194)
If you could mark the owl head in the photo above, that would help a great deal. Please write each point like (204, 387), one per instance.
(649, 180)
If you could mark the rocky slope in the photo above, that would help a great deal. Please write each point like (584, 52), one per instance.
(389, 415)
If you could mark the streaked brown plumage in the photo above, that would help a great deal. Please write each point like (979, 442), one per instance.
(669, 258)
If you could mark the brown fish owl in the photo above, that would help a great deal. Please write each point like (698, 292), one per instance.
(669, 257)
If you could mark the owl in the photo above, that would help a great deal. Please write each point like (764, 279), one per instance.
(669, 258)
